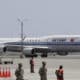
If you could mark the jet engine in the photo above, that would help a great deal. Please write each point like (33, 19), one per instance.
(2, 49)
(29, 52)
(62, 53)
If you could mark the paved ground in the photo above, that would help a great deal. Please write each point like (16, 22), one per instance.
(71, 65)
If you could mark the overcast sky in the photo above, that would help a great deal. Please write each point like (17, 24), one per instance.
(40, 17)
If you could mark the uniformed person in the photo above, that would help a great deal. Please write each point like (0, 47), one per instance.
(43, 71)
(60, 73)
(19, 72)
(32, 65)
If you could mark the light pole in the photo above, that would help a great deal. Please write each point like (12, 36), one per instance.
(22, 37)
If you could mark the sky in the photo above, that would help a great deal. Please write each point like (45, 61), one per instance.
(40, 17)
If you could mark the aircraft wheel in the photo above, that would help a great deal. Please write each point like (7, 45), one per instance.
(44, 55)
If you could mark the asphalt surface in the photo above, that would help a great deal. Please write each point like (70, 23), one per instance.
(71, 64)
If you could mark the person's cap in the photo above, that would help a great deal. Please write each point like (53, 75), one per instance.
(20, 64)
(60, 66)
(44, 63)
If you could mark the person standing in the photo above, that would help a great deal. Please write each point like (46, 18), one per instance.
(43, 71)
(32, 65)
(19, 72)
(59, 73)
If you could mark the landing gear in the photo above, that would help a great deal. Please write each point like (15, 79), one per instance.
(62, 53)
(32, 55)
(44, 55)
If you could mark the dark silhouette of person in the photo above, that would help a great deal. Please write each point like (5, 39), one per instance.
(32, 65)
(60, 73)
(19, 72)
(43, 71)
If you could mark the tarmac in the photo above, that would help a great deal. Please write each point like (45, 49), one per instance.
(71, 66)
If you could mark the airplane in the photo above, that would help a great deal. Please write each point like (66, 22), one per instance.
(4, 40)
(61, 44)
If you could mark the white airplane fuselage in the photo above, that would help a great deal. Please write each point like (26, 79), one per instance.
(61, 44)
